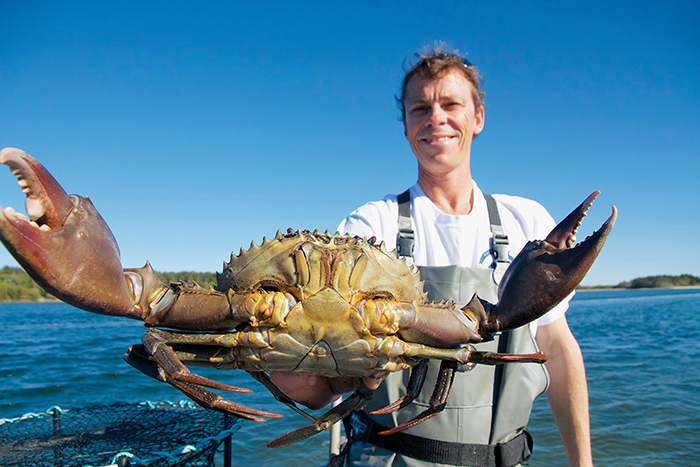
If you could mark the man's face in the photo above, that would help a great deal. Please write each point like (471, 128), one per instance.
(440, 121)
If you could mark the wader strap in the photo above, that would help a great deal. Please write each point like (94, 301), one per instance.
(406, 238)
(503, 341)
(509, 454)
(500, 247)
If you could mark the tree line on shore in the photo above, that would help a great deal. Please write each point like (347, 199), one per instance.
(17, 286)
(660, 282)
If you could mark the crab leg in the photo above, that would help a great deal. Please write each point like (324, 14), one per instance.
(418, 374)
(437, 400)
(265, 380)
(360, 397)
(413, 389)
(167, 360)
(168, 368)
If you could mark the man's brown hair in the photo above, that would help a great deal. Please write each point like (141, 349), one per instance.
(435, 61)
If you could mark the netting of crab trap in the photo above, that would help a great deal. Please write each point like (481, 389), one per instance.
(154, 434)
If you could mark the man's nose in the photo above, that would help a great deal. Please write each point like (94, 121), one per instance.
(437, 115)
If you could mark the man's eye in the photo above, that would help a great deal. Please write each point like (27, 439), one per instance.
(419, 109)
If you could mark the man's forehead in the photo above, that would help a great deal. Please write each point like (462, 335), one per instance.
(450, 83)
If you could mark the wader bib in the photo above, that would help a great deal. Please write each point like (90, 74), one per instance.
(483, 424)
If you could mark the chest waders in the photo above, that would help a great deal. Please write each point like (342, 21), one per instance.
(483, 424)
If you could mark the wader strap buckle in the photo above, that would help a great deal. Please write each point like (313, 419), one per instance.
(500, 248)
(406, 238)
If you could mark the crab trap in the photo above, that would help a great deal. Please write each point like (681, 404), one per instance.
(153, 434)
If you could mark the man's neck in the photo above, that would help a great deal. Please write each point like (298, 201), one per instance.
(452, 194)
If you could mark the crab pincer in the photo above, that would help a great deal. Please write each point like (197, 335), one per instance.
(65, 246)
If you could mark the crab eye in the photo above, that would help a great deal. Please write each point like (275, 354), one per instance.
(268, 287)
(381, 295)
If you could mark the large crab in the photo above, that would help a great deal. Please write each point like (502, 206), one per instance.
(309, 302)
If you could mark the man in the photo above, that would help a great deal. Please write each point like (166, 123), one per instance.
(453, 224)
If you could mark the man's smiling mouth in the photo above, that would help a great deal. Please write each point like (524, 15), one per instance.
(437, 138)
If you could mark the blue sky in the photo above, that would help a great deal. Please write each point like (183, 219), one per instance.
(196, 129)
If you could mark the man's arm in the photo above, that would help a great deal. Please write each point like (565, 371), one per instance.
(568, 390)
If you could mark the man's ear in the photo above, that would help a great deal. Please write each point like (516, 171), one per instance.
(479, 120)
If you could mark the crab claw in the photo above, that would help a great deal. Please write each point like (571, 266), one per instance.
(65, 246)
(545, 272)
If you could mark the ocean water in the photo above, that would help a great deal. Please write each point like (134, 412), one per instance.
(641, 348)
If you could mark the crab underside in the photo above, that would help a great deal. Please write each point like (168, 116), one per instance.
(308, 302)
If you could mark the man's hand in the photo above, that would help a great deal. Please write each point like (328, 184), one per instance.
(316, 392)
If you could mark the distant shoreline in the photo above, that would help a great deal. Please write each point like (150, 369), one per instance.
(16, 286)
(38, 300)
(583, 289)
(611, 287)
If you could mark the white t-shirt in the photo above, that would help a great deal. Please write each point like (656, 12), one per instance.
(450, 240)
